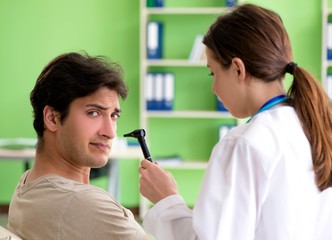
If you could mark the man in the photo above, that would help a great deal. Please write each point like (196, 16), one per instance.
(76, 107)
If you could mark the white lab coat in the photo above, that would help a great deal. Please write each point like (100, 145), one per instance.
(259, 185)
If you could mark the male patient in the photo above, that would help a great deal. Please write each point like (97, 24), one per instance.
(76, 107)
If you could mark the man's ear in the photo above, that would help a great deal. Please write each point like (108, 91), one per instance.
(239, 68)
(51, 118)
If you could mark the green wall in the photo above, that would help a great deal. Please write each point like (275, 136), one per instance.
(33, 32)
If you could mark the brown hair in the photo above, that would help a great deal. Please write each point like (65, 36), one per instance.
(258, 37)
(70, 76)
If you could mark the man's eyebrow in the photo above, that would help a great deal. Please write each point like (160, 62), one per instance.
(118, 110)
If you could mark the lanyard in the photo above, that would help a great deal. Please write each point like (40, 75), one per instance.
(271, 103)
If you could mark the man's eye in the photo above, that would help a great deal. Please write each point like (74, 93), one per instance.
(211, 74)
(115, 116)
(93, 113)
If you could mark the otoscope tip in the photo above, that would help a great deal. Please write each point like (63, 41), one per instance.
(136, 133)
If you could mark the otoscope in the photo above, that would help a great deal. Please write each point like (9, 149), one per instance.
(140, 134)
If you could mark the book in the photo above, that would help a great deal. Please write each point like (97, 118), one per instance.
(168, 91)
(329, 85)
(197, 48)
(329, 40)
(158, 90)
(230, 3)
(220, 106)
(149, 92)
(154, 3)
(154, 40)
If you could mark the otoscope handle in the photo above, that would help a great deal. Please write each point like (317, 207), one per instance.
(140, 134)
(144, 148)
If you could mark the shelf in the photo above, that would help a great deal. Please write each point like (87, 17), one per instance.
(183, 165)
(188, 114)
(174, 63)
(163, 10)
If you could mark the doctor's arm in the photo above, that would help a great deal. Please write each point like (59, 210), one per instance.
(169, 218)
(156, 183)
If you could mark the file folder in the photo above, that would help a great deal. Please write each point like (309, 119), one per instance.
(154, 40)
(168, 91)
(149, 92)
(230, 3)
(154, 3)
(329, 40)
(220, 106)
(158, 90)
(329, 85)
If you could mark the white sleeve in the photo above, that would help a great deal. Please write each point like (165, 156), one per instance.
(170, 219)
(227, 206)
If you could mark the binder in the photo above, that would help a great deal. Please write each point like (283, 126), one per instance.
(329, 85)
(168, 91)
(158, 90)
(150, 3)
(220, 106)
(197, 48)
(154, 3)
(154, 40)
(329, 40)
(230, 3)
(149, 92)
(159, 3)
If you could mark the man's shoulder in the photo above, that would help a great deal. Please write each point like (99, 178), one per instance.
(75, 187)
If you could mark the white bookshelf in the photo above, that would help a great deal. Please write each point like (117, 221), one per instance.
(145, 64)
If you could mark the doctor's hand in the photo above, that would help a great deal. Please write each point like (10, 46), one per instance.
(156, 183)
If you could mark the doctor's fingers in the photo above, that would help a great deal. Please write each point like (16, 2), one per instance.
(147, 164)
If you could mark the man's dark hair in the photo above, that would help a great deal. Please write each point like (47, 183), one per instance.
(70, 76)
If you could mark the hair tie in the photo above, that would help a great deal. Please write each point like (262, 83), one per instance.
(290, 68)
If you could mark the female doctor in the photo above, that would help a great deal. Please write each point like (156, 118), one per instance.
(264, 178)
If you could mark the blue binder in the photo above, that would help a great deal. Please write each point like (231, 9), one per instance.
(220, 106)
(329, 40)
(155, 3)
(158, 90)
(149, 92)
(159, 3)
(168, 97)
(329, 85)
(230, 3)
(154, 40)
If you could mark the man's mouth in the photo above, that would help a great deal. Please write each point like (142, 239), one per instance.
(102, 146)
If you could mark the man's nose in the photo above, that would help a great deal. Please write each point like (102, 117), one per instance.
(108, 128)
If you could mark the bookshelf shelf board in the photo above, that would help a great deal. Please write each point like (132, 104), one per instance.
(175, 63)
(165, 10)
(184, 165)
(188, 114)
